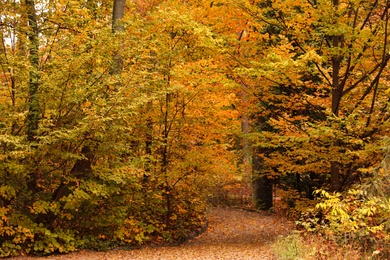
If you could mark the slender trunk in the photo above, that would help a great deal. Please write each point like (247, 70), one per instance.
(32, 119)
(246, 146)
(247, 156)
(118, 13)
(337, 90)
(164, 162)
(245, 125)
(33, 104)
(148, 142)
(149, 123)
(336, 97)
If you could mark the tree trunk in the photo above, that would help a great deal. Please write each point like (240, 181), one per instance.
(33, 104)
(32, 119)
(262, 186)
(337, 90)
(81, 168)
(246, 145)
(336, 98)
(118, 13)
(148, 143)
(164, 161)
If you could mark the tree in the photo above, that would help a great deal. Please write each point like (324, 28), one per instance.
(321, 87)
(236, 31)
(119, 98)
(184, 125)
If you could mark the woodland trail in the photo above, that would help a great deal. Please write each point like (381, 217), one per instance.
(231, 234)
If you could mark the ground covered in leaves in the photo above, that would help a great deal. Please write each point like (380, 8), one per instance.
(231, 234)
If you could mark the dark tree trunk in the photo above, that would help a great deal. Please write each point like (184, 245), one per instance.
(148, 143)
(263, 193)
(337, 90)
(32, 119)
(336, 98)
(164, 160)
(33, 104)
(81, 168)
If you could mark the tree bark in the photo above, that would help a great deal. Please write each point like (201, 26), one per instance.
(80, 168)
(262, 186)
(118, 13)
(33, 104)
(32, 119)
(337, 90)
(246, 145)
(336, 98)
(148, 143)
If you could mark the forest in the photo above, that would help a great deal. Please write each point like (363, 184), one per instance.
(121, 122)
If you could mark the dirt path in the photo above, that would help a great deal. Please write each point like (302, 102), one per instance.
(232, 234)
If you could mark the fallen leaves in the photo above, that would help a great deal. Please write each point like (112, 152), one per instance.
(232, 234)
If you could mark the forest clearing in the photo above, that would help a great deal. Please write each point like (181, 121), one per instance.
(122, 122)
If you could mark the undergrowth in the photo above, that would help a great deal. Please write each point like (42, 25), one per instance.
(306, 246)
(356, 219)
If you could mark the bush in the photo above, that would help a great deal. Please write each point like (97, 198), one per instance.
(292, 247)
(359, 216)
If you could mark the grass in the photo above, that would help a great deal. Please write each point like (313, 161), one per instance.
(292, 247)
(303, 246)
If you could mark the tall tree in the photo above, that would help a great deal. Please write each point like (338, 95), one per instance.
(236, 30)
(323, 83)
(83, 165)
(96, 77)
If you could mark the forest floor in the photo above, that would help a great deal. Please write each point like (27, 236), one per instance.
(231, 234)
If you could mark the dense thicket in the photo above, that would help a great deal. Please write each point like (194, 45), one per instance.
(319, 77)
(115, 131)
(108, 136)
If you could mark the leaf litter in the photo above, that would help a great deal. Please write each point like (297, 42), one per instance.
(231, 234)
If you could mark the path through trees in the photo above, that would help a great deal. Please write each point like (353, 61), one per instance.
(232, 234)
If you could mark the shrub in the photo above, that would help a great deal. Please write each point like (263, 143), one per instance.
(292, 247)
(358, 216)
